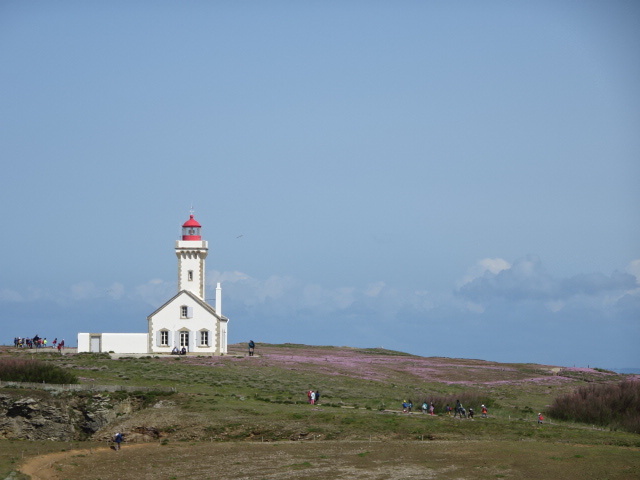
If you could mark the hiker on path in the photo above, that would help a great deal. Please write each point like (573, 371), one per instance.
(484, 412)
(471, 413)
(458, 410)
(252, 347)
(317, 397)
(313, 397)
(432, 409)
(425, 407)
(118, 440)
(540, 418)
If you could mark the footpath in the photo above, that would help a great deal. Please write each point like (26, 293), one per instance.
(42, 467)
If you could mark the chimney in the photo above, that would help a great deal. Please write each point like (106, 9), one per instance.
(219, 299)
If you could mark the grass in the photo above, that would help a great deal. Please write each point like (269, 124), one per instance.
(28, 370)
(261, 401)
(357, 460)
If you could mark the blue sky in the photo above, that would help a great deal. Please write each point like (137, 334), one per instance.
(454, 179)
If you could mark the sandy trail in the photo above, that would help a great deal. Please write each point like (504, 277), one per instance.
(42, 467)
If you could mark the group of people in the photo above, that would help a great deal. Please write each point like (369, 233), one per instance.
(313, 397)
(407, 407)
(37, 342)
(460, 410)
(177, 351)
(428, 408)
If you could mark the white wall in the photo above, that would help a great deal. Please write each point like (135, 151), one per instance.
(83, 342)
(115, 342)
(169, 319)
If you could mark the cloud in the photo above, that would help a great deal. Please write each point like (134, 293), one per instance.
(486, 265)
(155, 292)
(374, 289)
(116, 291)
(84, 291)
(7, 295)
(634, 269)
(215, 276)
(527, 280)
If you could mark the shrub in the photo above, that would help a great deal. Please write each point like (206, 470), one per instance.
(467, 399)
(614, 406)
(17, 370)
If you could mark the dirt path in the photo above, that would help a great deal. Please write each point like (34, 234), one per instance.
(43, 467)
(340, 460)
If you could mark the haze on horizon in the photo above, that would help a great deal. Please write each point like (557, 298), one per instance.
(447, 179)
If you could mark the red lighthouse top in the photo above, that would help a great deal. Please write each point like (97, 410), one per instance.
(191, 229)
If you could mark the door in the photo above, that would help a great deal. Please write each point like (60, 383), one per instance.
(184, 340)
(94, 346)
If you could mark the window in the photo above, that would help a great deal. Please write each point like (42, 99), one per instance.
(190, 275)
(184, 310)
(204, 338)
(162, 338)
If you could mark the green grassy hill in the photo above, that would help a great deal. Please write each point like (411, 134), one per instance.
(263, 398)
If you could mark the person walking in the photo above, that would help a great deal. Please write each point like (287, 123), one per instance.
(252, 347)
(317, 397)
(484, 412)
(540, 418)
(118, 440)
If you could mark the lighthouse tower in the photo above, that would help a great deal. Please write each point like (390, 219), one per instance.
(191, 251)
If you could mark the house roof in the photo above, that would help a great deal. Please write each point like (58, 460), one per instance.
(195, 298)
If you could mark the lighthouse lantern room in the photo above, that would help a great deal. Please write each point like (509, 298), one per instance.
(191, 229)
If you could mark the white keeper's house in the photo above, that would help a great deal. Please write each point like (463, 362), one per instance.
(185, 320)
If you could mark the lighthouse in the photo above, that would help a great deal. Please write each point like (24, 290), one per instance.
(191, 251)
(186, 322)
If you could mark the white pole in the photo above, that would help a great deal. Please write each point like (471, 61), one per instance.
(219, 299)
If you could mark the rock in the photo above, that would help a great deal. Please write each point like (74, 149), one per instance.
(50, 417)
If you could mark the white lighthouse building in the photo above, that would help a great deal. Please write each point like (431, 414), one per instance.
(184, 321)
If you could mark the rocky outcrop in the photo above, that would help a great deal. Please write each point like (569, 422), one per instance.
(49, 418)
